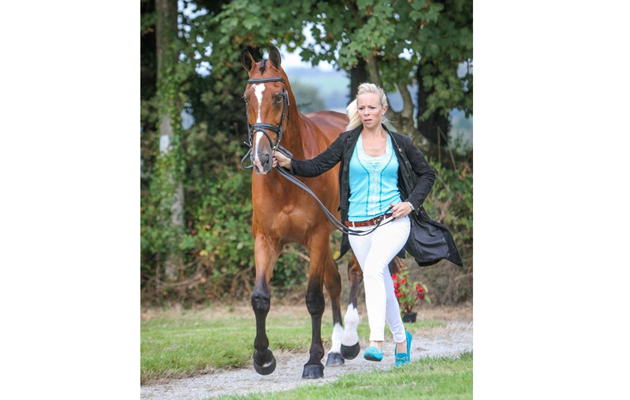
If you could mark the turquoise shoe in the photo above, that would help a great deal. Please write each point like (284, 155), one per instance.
(373, 354)
(402, 358)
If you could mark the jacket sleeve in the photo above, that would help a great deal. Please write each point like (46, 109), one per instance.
(424, 172)
(320, 164)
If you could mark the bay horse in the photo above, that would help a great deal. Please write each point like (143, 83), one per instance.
(284, 213)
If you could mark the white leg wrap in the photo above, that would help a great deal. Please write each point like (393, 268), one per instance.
(350, 336)
(336, 339)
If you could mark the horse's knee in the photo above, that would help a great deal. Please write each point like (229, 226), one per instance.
(261, 302)
(315, 301)
(355, 274)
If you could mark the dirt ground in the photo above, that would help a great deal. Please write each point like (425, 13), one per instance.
(452, 340)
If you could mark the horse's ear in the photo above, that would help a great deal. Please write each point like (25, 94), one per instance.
(274, 56)
(247, 60)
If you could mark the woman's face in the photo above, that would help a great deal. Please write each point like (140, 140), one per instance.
(370, 110)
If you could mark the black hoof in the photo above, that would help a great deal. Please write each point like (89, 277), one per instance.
(350, 352)
(334, 359)
(313, 372)
(268, 367)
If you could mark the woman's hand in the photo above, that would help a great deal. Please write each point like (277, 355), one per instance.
(279, 158)
(401, 209)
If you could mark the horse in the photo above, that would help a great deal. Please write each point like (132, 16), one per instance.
(284, 213)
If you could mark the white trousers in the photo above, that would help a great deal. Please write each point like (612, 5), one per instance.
(374, 252)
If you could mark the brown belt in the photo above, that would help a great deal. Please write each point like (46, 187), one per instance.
(373, 221)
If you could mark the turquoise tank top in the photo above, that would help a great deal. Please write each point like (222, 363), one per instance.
(373, 182)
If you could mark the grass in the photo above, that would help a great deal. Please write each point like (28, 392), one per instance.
(189, 343)
(429, 379)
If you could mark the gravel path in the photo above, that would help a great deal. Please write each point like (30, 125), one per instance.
(452, 340)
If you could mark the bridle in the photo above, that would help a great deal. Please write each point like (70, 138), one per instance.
(262, 126)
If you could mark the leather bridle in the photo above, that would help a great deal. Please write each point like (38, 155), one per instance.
(263, 126)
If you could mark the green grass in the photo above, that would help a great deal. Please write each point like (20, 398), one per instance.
(429, 378)
(192, 343)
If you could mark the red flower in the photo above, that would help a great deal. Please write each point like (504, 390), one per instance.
(394, 277)
(396, 285)
(403, 280)
(420, 290)
(398, 295)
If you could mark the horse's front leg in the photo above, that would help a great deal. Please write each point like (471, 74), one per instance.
(350, 346)
(319, 249)
(332, 280)
(265, 255)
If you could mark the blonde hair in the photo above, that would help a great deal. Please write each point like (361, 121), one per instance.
(352, 109)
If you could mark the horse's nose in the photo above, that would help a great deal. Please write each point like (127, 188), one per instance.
(264, 158)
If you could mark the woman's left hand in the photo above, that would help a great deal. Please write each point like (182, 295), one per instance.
(401, 209)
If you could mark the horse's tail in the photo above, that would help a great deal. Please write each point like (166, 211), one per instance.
(395, 265)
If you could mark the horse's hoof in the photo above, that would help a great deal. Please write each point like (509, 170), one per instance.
(350, 352)
(267, 367)
(313, 372)
(334, 359)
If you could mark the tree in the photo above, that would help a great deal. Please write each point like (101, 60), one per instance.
(172, 190)
(435, 32)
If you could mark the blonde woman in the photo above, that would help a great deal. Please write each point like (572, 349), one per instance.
(375, 166)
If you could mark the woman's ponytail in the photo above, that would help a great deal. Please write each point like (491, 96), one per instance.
(353, 115)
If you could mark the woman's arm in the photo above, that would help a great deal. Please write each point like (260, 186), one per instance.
(316, 166)
(424, 172)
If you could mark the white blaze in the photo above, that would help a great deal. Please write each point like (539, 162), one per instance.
(258, 91)
(351, 320)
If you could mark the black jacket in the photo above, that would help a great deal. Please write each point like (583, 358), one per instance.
(415, 179)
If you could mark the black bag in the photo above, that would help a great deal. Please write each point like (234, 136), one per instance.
(429, 241)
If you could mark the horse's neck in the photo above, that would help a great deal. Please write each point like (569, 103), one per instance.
(294, 139)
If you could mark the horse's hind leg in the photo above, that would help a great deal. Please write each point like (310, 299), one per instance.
(350, 347)
(332, 280)
(265, 255)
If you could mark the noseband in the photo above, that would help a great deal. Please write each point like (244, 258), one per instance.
(262, 126)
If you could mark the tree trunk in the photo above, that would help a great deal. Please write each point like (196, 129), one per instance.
(436, 123)
(435, 129)
(166, 33)
(358, 75)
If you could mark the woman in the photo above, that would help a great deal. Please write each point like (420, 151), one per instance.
(370, 188)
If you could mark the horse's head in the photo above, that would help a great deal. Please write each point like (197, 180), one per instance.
(267, 101)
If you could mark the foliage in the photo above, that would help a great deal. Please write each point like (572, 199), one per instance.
(451, 203)
(437, 34)
(408, 293)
